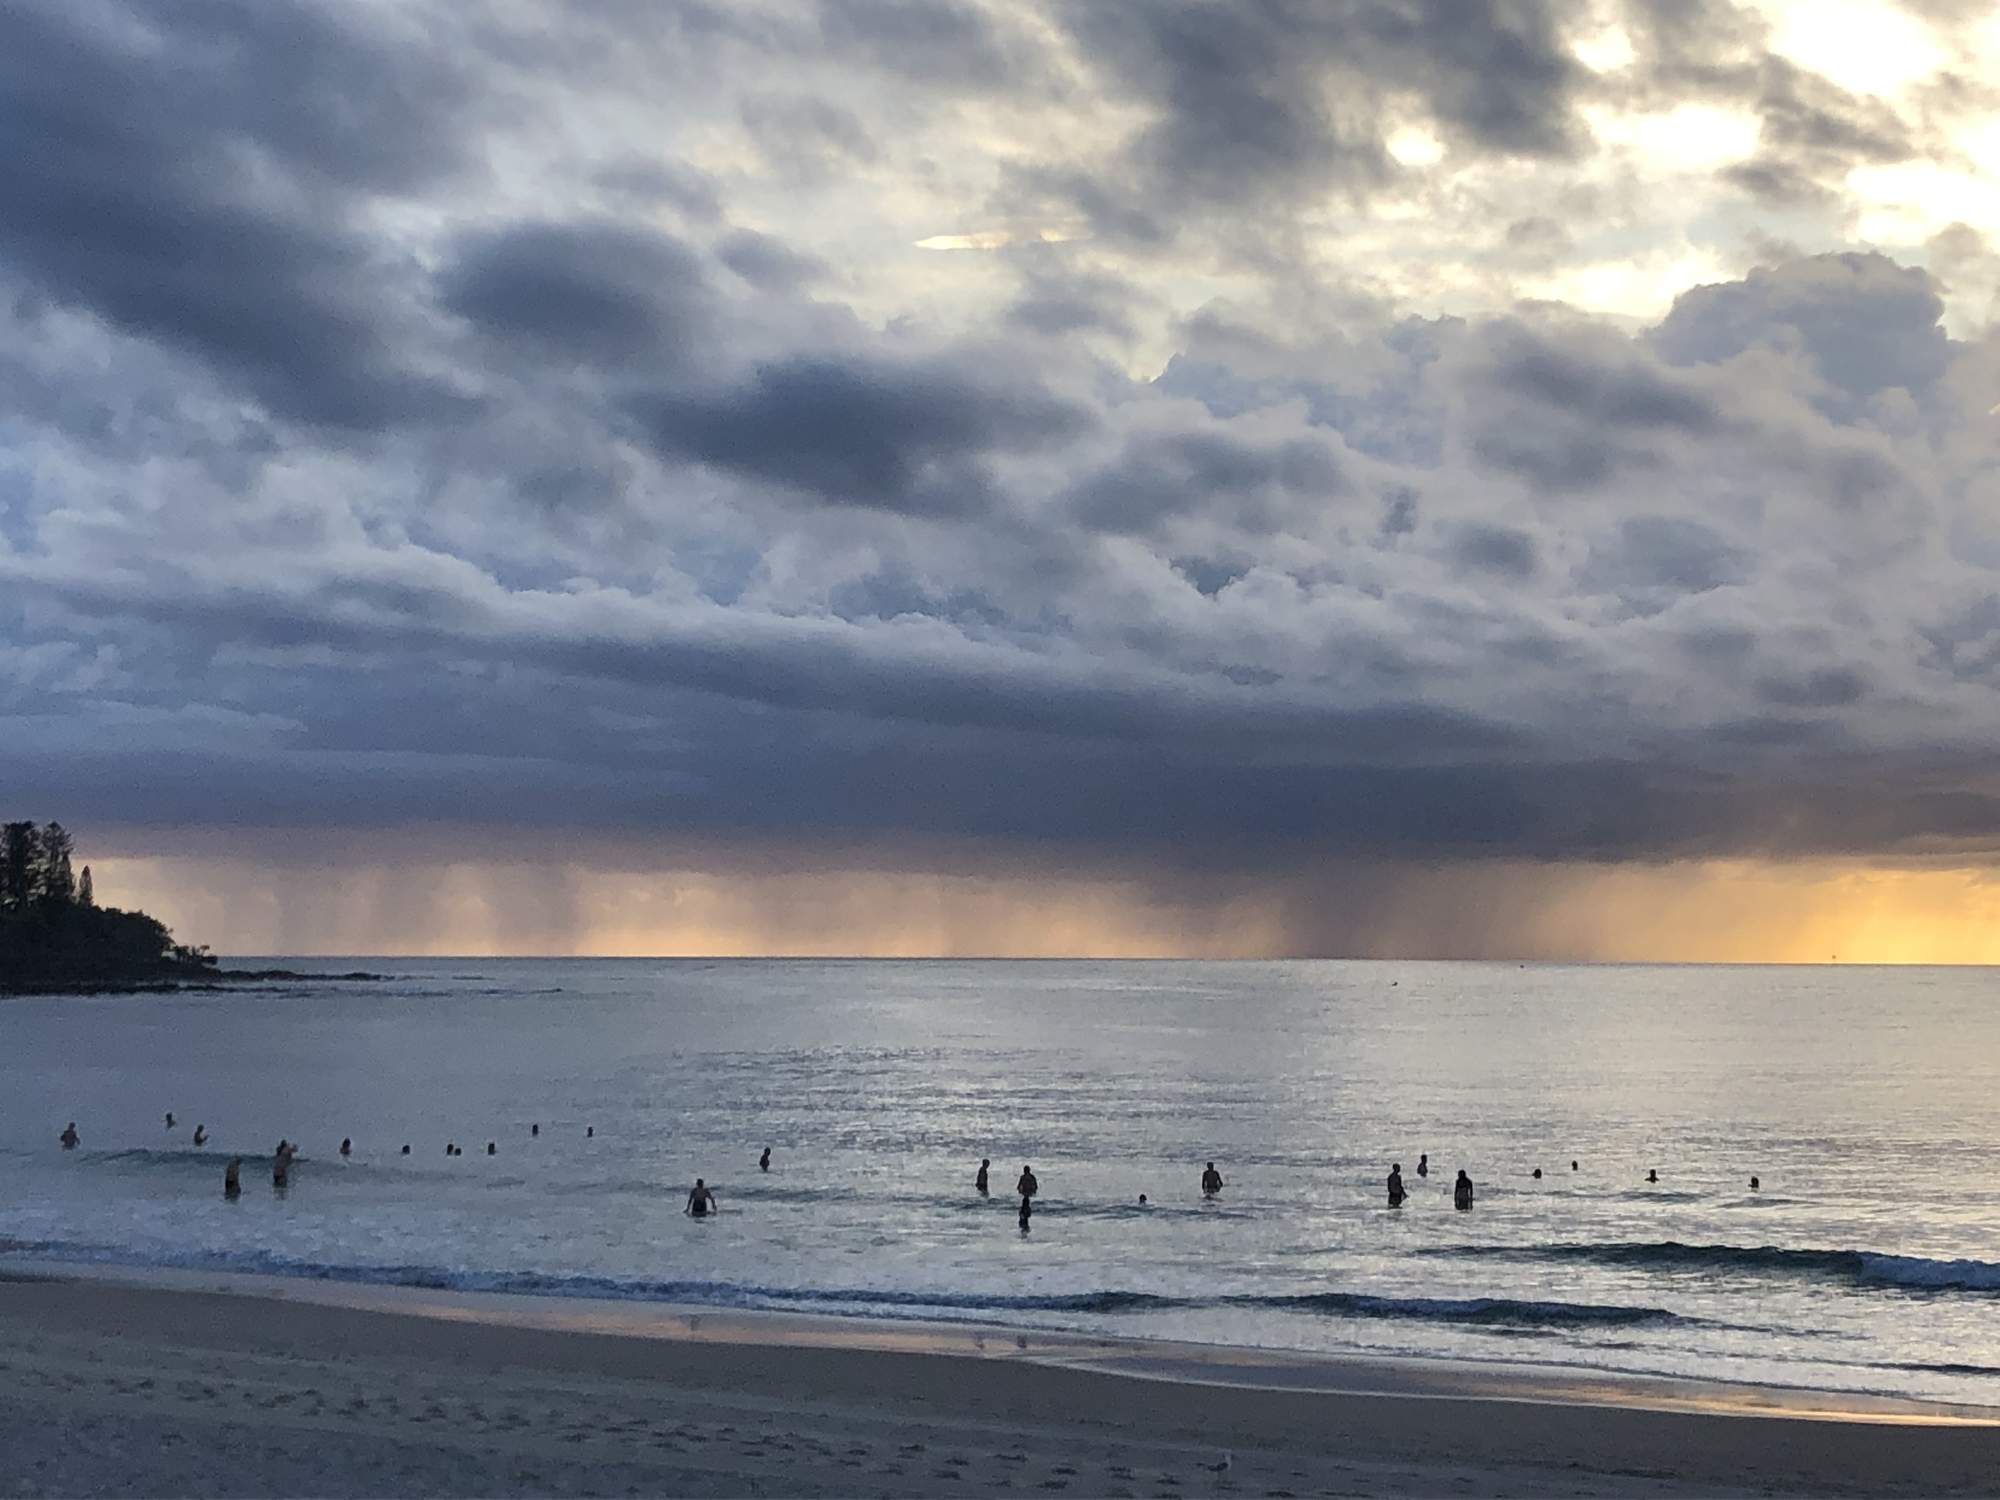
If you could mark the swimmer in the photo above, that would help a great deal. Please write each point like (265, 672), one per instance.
(1461, 1192)
(406, 1148)
(764, 1161)
(201, 1135)
(69, 1136)
(1396, 1193)
(535, 1129)
(1572, 1166)
(1652, 1176)
(232, 1179)
(450, 1149)
(701, 1202)
(281, 1164)
(590, 1132)
(170, 1119)
(1424, 1165)
(346, 1146)
(492, 1149)
(1028, 1186)
(1211, 1182)
(1538, 1174)
(1754, 1184)
(979, 1180)
(1142, 1201)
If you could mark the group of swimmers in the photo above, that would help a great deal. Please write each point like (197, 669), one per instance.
(702, 1201)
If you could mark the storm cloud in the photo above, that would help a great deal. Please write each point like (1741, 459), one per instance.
(1064, 430)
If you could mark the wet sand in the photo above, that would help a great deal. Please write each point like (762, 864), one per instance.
(155, 1383)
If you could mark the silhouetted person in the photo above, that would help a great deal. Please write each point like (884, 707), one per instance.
(281, 1164)
(701, 1202)
(764, 1161)
(1652, 1175)
(1142, 1201)
(201, 1135)
(450, 1149)
(535, 1129)
(1538, 1174)
(1396, 1193)
(346, 1146)
(1461, 1191)
(1027, 1210)
(979, 1180)
(170, 1119)
(69, 1137)
(1211, 1182)
(1424, 1165)
(492, 1149)
(406, 1148)
(1754, 1184)
(1028, 1186)
(1572, 1166)
(232, 1179)
(589, 1132)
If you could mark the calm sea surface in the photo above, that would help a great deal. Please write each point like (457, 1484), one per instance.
(1866, 1100)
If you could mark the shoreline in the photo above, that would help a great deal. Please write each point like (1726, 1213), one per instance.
(606, 1396)
(1248, 1367)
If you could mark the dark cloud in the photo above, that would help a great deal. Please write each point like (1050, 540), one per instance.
(591, 291)
(1569, 410)
(1862, 323)
(194, 177)
(1278, 97)
(768, 263)
(905, 438)
(1254, 485)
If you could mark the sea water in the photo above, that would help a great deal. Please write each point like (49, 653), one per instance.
(1867, 1102)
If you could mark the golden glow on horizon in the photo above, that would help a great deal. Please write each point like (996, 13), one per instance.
(1735, 911)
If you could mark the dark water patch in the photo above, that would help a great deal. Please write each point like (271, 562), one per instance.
(1863, 1268)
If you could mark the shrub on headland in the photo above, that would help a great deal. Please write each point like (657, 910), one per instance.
(53, 935)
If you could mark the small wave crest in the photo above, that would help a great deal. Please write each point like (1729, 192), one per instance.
(1499, 1313)
(1856, 1267)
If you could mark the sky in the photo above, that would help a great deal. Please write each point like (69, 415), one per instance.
(1264, 477)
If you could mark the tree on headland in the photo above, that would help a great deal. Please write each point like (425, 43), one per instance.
(20, 857)
(58, 884)
(54, 935)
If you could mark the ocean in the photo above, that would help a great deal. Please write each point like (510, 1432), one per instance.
(1866, 1100)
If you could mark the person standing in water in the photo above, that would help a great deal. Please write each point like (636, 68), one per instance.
(1461, 1192)
(701, 1202)
(764, 1161)
(232, 1179)
(1028, 1186)
(1396, 1193)
(1652, 1174)
(979, 1179)
(1211, 1182)
(69, 1136)
(170, 1119)
(1027, 1210)
(281, 1164)
(535, 1129)
(1424, 1165)
(201, 1135)
(346, 1146)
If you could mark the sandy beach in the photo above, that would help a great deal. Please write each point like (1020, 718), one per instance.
(167, 1385)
